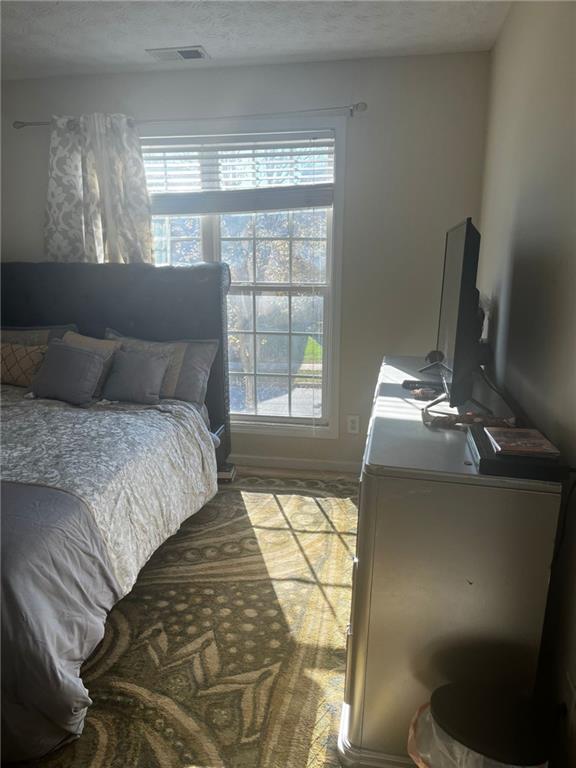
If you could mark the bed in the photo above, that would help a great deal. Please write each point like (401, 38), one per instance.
(88, 494)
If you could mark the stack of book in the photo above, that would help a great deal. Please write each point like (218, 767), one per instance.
(515, 452)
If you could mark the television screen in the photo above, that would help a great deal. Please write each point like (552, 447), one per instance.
(458, 324)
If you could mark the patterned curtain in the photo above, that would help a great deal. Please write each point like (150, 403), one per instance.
(97, 207)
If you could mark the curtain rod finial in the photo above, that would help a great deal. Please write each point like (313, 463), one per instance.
(18, 124)
(360, 106)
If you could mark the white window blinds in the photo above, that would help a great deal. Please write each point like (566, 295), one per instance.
(220, 174)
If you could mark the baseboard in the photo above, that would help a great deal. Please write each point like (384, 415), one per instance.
(287, 462)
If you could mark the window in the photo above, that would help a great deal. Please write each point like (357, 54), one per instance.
(264, 205)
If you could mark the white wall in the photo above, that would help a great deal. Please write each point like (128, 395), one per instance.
(528, 257)
(414, 167)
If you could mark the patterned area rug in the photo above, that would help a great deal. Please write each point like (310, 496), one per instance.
(230, 649)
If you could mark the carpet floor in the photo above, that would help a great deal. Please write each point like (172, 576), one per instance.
(230, 649)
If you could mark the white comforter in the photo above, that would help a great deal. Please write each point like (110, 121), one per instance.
(141, 470)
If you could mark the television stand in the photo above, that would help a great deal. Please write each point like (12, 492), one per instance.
(444, 397)
(436, 365)
(437, 400)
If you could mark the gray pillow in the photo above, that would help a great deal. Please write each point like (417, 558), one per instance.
(68, 373)
(188, 369)
(100, 347)
(136, 377)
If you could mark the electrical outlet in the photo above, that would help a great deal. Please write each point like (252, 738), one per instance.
(353, 425)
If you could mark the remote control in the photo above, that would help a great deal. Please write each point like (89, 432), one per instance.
(416, 384)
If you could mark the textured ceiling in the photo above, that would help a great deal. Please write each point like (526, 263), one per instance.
(43, 39)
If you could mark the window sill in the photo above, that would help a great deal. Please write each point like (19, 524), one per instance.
(277, 429)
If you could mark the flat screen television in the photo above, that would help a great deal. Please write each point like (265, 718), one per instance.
(460, 320)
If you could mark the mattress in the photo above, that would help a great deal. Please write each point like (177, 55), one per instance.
(88, 495)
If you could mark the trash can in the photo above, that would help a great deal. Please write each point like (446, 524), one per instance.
(470, 727)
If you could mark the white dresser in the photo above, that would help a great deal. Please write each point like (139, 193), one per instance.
(450, 575)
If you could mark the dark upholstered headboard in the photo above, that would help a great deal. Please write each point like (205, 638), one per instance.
(156, 303)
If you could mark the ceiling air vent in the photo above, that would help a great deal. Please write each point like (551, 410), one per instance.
(188, 53)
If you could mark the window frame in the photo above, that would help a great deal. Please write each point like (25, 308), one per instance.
(286, 426)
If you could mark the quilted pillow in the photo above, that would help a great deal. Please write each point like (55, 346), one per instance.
(189, 364)
(20, 363)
